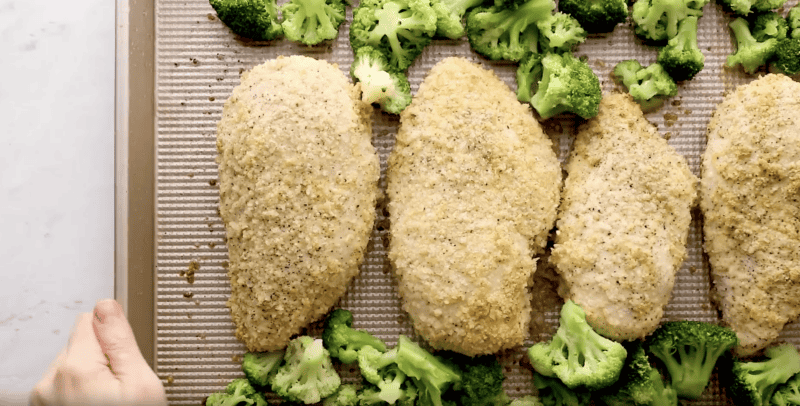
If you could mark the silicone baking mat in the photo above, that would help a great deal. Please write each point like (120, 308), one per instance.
(198, 63)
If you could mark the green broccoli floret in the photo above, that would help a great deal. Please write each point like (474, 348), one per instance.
(449, 14)
(312, 21)
(507, 33)
(787, 394)
(634, 386)
(665, 394)
(560, 32)
(746, 7)
(481, 380)
(793, 19)
(553, 392)
(787, 56)
(346, 395)
(770, 25)
(307, 375)
(596, 16)
(254, 19)
(372, 395)
(649, 86)
(681, 57)
(400, 29)
(529, 400)
(431, 376)
(689, 350)
(568, 85)
(750, 53)
(259, 367)
(340, 338)
(389, 88)
(381, 370)
(577, 354)
(752, 383)
(529, 72)
(657, 20)
(238, 392)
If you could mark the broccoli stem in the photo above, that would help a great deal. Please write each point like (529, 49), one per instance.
(741, 31)
(460, 7)
(691, 371)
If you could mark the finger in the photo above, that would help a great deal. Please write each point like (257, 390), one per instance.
(83, 344)
(83, 368)
(42, 393)
(117, 341)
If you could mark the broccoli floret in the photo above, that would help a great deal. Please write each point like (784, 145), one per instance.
(307, 375)
(449, 16)
(389, 88)
(746, 7)
(481, 380)
(553, 392)
(793, 19)
(371, 395)
(529, 400)
(259, 367)
(254, 19)
(787, 394)
(381, 370)
(431, 376)
(404, 373)
(596, 16)
(750, 53)
(400, 29)
(312, 21)
(577, 354)
(340, 338)
(681, 57)
(770, 25)
(657, 21)
(665, 394)
(346, 395)
(507, 33)
(787, 56)
(649, 86)
(568, 85)
(753, 383)
(238, 392)
(689, 350)
(560, 32)
(529, 72)
(634, 386)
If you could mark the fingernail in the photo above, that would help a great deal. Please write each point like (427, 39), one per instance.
(107, 308)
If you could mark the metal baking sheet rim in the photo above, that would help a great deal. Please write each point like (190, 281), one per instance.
(134, 160)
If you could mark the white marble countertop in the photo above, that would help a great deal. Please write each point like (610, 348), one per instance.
(56, 177)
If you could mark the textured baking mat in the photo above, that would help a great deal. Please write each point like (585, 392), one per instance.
(198, 63)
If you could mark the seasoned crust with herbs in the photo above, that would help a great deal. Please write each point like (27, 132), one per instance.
(624, 220)
(473, 187)
(751, 207)
(298, 186)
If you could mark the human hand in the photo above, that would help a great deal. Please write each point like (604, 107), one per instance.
(101, 365)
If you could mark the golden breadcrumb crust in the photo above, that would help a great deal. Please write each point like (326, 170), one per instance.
(750, 201)
(624, 220)
(473, 187)
(298, 186)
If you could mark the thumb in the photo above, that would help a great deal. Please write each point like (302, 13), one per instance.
(117, 340)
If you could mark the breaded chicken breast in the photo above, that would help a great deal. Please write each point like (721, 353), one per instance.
(298, 187)
(624, 220)
(750, 192)
(473, 187)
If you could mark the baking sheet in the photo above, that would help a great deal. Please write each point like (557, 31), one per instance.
(198, 62)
